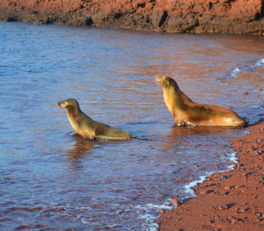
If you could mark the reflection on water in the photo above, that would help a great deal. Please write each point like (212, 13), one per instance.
(53, 180)
(81, 147)
(184, 131)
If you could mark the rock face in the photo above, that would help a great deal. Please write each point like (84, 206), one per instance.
(194, 16)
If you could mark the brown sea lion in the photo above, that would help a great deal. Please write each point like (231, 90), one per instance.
(186, 112)
(87, 127)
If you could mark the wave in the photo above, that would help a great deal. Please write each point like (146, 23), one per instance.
(235, 72)
(245, 68)
(259, 63)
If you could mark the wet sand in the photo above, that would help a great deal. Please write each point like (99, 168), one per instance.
(232, 200)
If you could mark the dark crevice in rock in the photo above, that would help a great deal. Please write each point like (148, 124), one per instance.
(118, 15)
(163, 18)
(262, 9)
(141, 5)
(11, 19)
(89, 21)
(257, 16)
(210, 5)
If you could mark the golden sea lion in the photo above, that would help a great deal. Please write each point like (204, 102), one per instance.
(87, 127)
(186, 112)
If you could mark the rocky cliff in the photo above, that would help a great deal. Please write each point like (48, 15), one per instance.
(194, 16)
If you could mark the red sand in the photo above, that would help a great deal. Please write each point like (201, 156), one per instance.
(232, 200)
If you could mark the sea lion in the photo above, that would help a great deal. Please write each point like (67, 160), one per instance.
(87, 127)
(186, 112)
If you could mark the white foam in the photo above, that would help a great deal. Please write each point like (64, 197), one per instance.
(255, 106)
(233, 157)
(189, 187)
(152, 206)
(259, 63)
(149, 220)
(246, 68)
(84, 221)
(163, 206)
(150, 224)
(235, 72)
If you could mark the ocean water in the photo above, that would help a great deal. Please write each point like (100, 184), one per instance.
(52, 180)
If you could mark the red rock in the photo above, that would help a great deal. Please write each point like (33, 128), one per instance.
(233, 220)
(201, 16)
(161, 211)
(175, 202)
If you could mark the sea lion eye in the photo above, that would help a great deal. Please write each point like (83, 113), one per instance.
(66, 103)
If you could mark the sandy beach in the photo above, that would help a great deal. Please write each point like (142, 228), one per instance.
(231, 200)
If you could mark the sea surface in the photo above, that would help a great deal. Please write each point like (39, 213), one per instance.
(53, 180)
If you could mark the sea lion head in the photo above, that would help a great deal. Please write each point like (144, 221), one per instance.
(69, 103)
(166, 81)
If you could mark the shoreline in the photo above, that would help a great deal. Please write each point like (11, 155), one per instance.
(229, 200)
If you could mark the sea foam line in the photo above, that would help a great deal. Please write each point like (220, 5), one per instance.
(189, 187)
(149, 219)
(247, 68)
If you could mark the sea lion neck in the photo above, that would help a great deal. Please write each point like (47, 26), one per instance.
(73, 111)
(173, 98)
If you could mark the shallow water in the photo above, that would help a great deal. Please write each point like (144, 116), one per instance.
(51, 180)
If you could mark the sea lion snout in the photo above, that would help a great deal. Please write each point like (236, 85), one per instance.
(160, 78)
(68, 103)
(63, 104)
(166, 81)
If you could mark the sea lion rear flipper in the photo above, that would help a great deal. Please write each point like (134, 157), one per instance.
(108, 138)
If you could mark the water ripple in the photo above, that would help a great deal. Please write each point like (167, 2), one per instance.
(52, 179)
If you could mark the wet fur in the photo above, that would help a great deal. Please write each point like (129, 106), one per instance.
(186, 112)
(89, 128)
